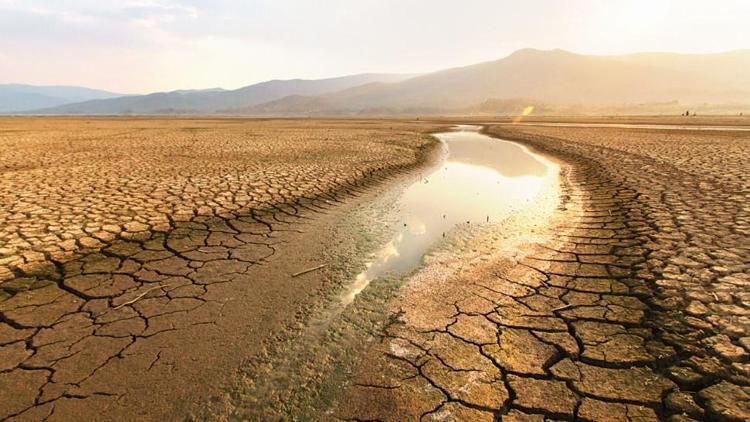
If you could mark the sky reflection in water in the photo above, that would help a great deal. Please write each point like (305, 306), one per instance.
(482, 180)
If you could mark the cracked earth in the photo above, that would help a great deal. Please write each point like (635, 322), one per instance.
(632, 306)
(132, 251)
(143, 260)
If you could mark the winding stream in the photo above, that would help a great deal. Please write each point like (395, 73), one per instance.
(480, 180)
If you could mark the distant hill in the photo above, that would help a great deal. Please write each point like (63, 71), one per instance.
(555, 81)
(216, 100)
(192, 91)
(19, 97)
(553, 77)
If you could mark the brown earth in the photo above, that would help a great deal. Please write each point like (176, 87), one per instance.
(634, 306)
(143, 260)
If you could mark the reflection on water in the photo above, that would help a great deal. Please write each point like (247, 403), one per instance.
(482, 180)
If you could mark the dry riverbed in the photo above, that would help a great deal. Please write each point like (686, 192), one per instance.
(631, 305)
(147, 273)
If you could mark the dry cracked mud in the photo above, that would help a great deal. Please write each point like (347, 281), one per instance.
(633, 306)
(138, 256)
(133, 252)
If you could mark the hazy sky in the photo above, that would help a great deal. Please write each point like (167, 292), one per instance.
(151, 45)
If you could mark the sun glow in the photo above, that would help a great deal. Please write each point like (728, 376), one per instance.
(526, 111)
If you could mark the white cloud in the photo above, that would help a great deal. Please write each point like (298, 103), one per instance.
(142, 45)
(172, 8)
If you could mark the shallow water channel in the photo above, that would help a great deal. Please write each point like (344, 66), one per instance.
(480, 180)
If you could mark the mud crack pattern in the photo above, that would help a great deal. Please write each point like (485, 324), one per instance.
(115, 235)
(635, 309)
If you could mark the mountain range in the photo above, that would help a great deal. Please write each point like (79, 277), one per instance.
(20, 97)
(553, 79)
(215, 100)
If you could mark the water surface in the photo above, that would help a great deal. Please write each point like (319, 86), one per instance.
(480, 180)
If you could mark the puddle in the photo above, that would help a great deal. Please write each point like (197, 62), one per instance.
(481, 180)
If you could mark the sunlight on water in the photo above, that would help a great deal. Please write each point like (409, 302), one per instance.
(482, 180)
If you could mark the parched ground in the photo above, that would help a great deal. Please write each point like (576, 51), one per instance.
(634, 307)
(141, 260)
(131, 250)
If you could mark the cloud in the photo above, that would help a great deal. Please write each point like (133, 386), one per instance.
(163, 6)
(85, 12)
(140, 45)
(45, 10)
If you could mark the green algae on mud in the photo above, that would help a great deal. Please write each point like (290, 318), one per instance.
(299, 376)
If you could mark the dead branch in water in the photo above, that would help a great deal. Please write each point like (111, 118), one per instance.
(309, 270)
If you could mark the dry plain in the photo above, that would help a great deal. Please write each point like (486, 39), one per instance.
(131, 250)
(143, 260)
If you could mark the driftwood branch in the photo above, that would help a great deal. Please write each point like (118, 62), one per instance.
(309, 270)
(562, 308)
(140, 296)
